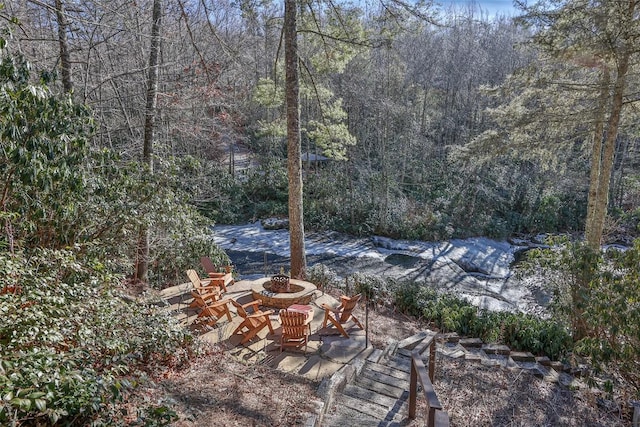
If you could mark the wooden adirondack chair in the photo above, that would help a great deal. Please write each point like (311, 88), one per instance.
(221, 279)
(341, 315)
(214, 311)
(253, 322)
(203, 291)
(296, 329)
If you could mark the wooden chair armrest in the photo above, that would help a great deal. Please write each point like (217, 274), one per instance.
(206, 292)
(331, 309)
(220, 302)
(255, 303)
(261, 314)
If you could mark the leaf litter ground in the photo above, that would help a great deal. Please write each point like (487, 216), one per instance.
(219, 390)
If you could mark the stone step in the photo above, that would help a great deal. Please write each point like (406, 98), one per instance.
(496, 349)
(452, 351)
(524, 356)
(471, 343)
(450, 337)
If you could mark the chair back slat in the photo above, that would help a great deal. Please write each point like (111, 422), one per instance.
(195, 279)
(293, 323)
(348, 304)
(208, 265)
(295, 329)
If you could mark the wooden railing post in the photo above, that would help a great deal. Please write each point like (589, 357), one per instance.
(432, 360)
(413, 390)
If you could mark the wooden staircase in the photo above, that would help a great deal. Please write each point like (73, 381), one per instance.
(378, 394)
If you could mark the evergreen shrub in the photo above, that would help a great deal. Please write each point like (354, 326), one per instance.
(374, 289)
(70, 346)
(323, 277)
(453, 314)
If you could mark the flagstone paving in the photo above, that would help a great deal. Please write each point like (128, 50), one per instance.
(328, 354)
(327, 351)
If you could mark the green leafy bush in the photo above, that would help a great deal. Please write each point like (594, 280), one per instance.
(58, 193)
(44, 140)
(323, 277)
(597, 294)
(524, 332)
(517, 330)
(410, 298)
(612, 314)
(69, 344)
(373, 288)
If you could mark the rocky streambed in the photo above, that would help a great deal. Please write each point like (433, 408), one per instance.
(479, 269)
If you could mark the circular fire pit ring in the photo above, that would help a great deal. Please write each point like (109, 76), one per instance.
(301, 293)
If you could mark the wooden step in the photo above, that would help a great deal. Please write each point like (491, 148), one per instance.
(350, 418)
(383, 369)
(400, 363)
(379, 387)
(369, 395)
(370, 409)
(379, 394)
(409, 343)
(375, 355)
(385, 379)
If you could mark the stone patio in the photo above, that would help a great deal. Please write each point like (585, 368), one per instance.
(327, 350)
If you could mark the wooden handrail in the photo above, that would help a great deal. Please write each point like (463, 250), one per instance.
(436, 416)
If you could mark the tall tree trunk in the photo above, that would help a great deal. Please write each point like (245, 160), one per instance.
(595, 224)
(601, 169)
(619, 163)
(593, 240)
(294, 162)
(142, 264)
(65, 59)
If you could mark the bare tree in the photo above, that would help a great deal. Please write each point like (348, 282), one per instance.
(142, 262)
(65, 59)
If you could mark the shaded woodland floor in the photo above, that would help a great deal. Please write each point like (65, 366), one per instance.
(218, 390)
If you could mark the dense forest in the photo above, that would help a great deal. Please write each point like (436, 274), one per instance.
(404, 102)
(129, 128)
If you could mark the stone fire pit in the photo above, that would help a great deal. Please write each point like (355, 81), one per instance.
(301, 292)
